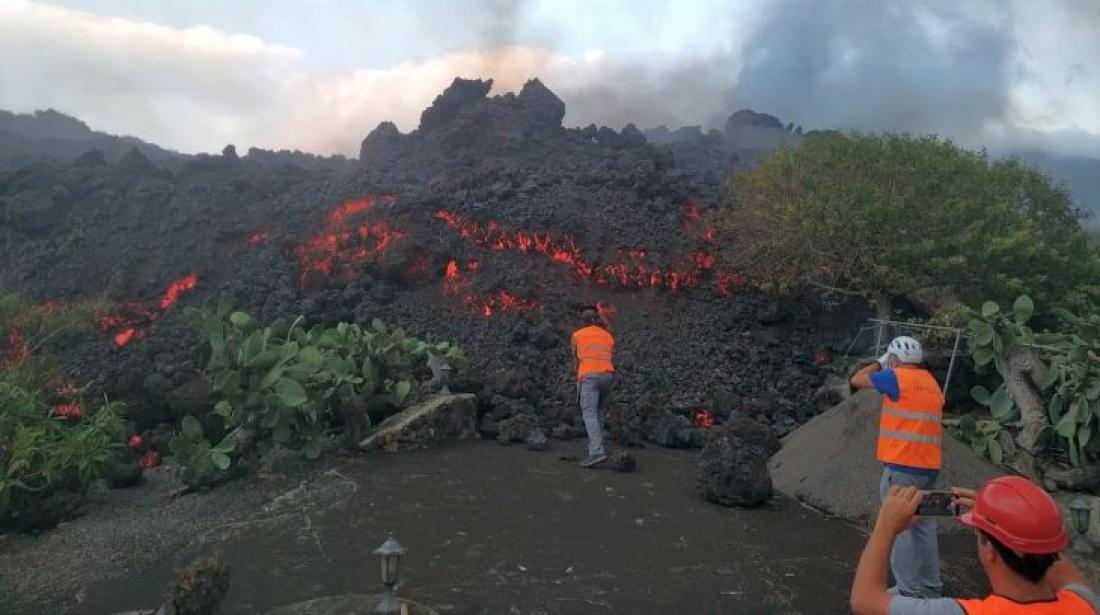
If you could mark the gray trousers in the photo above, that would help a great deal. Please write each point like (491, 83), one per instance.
(594, 390)
(915, 557)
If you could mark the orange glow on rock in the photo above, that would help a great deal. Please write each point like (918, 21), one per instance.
(186, 283)
(342, 248)
(17, 348)
(703, 418)
(129, 324)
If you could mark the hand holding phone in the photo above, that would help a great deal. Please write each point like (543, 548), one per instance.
(938, 504)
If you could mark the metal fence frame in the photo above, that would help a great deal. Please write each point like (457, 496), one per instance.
(880, 324)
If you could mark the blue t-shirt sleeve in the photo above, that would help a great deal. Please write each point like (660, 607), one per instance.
(886, 382)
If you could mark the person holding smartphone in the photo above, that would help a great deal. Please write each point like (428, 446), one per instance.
(1019, 532)
(910, 450)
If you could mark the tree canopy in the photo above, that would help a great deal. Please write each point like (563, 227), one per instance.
(886, 216)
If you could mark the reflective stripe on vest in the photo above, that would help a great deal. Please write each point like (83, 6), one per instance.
(910, 432)
(595, 347)
(1066, 602)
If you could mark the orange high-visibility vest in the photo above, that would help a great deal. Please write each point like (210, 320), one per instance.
(594, 349)
(909, 429)
(1066, 602)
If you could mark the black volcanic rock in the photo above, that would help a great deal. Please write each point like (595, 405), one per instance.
(748, 118)
(381, 145)
(733, 465)
(541, 106)
(459, 95)
(502, 164)
(91, 158)
(137, 163)
(631, 136)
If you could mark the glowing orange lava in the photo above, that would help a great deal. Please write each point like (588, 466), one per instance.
(501, 301)
(68, 410)
(183, 284)
(494, 236)
(343, 248)
(127, 326)
(342, 212)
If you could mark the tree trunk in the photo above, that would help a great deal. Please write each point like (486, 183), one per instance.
(1024, 371)
(884, 308)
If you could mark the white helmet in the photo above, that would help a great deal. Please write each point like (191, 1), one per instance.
(906, 349)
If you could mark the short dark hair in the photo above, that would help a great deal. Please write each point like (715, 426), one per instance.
(589, 316)
(1029, 566)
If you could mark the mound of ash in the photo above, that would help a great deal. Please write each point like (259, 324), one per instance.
(490, 224)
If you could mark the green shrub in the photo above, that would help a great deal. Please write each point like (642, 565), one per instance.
(286, 381)
(884, 216)
(41, 453)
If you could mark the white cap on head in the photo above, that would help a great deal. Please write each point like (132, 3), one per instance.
(906, 349)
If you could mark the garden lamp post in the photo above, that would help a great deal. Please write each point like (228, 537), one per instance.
(389, 556)
(1080, 512)
(445, 372)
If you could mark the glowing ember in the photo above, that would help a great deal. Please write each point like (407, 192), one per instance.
(183, 284)
(123, 337)
(127, 326)
(150, 459)
(16, 349)
(727, 281)
(501, 301)
(353, 208)
(68, 410)
(259, 237)
(703, 261)
(703, 418)
(605, 310)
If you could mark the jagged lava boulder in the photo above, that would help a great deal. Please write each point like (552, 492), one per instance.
(733, 465)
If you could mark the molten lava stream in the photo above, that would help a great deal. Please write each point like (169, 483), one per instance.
(127, 326)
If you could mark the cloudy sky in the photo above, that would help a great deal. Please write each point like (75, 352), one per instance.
(319, 74)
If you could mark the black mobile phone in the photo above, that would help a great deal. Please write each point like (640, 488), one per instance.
(938, 504)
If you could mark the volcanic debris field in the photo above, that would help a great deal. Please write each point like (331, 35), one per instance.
(490, 225)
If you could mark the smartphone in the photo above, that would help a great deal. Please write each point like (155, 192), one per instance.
(938, 504)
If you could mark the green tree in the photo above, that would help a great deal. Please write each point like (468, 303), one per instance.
(885, 216)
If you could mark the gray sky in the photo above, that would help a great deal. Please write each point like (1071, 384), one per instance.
(319, 74)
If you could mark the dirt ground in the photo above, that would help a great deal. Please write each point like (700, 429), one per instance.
(489, 529)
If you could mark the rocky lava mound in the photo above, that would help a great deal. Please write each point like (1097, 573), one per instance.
(489, 225)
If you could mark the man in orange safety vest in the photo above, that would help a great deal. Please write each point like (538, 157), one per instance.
(593, 348)
(910, 449)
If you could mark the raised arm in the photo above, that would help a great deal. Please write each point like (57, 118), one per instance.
(862, 378)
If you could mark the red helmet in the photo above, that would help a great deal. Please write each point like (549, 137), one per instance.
(1020, 515)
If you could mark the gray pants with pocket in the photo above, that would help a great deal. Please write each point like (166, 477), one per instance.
(594, 389)
(915, 558)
